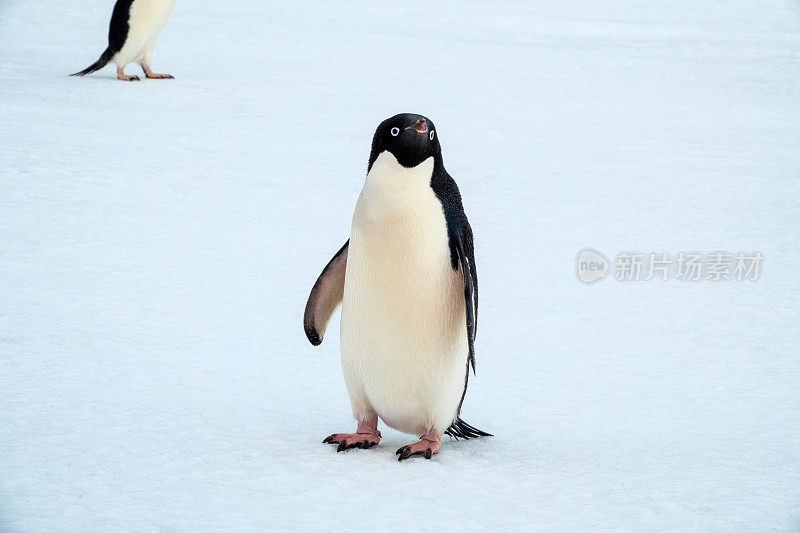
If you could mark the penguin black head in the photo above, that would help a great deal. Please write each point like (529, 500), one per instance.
(410, 138)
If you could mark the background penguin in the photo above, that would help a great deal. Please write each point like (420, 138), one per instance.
(132, 34)
(409, 291)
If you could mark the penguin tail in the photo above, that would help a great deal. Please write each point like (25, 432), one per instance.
(461, 430)
(105, 57)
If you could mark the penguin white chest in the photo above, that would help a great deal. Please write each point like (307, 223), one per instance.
(404, 340)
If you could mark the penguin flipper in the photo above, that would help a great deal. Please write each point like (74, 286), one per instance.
(325, 297)
(466, 261)
(470, 296)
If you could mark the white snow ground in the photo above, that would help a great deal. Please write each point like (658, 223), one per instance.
(158, 241)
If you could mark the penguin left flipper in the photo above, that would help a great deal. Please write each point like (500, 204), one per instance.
(325, 297)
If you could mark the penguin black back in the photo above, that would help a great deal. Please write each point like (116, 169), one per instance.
(118, 27)
(117, 34)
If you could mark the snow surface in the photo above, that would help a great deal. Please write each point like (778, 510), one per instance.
(158, 241)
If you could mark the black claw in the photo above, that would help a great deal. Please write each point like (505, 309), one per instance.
(328, 439)
(405, 453)
(342, 446)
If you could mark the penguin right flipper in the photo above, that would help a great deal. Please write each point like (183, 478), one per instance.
(325, 297)
(462, 243)
(466, 265)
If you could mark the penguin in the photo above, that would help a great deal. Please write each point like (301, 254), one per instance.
(132, 34)
(408, 286)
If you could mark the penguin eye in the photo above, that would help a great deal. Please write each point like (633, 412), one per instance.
(395, 131)
(431, 136)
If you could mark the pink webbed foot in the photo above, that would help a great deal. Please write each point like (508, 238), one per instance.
(366, 436)
(124, 77)
(347, 441)
(155, 76)
(427, 447)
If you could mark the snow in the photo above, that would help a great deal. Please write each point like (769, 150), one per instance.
(158, 241)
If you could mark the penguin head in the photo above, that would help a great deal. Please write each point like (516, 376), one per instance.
(410, 138)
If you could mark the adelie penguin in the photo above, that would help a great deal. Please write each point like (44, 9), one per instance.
(132, 34)
(408, 286)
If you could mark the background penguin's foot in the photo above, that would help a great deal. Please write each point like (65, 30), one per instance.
(366, 436)
(427, 446)
(155, 76)
(124, 77)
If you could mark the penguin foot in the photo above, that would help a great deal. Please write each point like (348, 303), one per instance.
(149, 74)
(427, 447)
(347, 441)
(366, 436)
(124, 77)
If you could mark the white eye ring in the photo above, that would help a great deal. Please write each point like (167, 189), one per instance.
(395, 131)
(431, 136)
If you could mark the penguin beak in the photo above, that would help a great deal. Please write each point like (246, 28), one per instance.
(420, 126)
